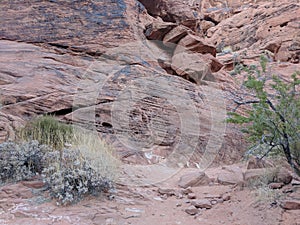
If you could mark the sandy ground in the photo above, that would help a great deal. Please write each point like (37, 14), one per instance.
(144, 205)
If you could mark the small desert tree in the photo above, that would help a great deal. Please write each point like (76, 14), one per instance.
(272, 118)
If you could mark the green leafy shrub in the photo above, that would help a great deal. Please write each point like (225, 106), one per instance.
(272, 123)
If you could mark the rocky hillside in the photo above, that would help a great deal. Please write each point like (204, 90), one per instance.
(151, 77)
(154, 78)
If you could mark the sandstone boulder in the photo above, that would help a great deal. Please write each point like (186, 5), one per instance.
(191, 210)
(191, 196)
(166, 191)
(195, 44)
(181, 12)
(175, 35)
(202, 203)
(255, 163)
(290, 204)
(193, 180)
(254, 174)
(191, 65)
(283, 176)
(269, 175)
(158, 29)
(231, 176)
(276, 185)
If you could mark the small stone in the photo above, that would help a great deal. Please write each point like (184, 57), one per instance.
(290, 204)
(220, 200)
(135, 210)
(158, 199)
(36, 184)
(276, 185)
(226, 197)
(213, 202)
(187, 191)
(202, 203)
(164, 197)
(179, 195)
(213, 196)
(295, 182)
(287, 189)
(178, 204)
(191, 210)
(166, 191)
(191, 196)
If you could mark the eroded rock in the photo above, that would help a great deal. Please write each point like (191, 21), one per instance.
(290, 204)
(191, 210)
(193, 180)
(202, 203)
(231, 176)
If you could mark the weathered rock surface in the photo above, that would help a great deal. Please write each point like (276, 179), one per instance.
(283, 176)
(268, 26)
(193, 180)
(202, 203)
(20, 204)
(231, 175)
(191, 210)
(82, 62)
(290, 204)
(255, 163)
(90, 63)
(278, 175)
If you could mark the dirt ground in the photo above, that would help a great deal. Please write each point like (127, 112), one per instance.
(163, 203)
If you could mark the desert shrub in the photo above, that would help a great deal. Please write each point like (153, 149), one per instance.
(86, 167)
(264, 179)
(72, 177)
(265, 194)
(47, 130)
(272, 122)
(70, 174)
(21, 161)
(99, 153)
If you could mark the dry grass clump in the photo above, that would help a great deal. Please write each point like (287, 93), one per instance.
(48, 131)
(261, 189)
(87, 166)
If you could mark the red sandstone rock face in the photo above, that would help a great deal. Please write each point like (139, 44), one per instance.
(271, 27)
(91, 63)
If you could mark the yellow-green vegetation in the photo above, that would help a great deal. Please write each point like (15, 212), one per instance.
(260, 186)
(100, 154)
(261, 181)
(264, 194)
(48, 131)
